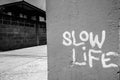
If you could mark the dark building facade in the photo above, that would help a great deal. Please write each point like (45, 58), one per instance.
(21, 25)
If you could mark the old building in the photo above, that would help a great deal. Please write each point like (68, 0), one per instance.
(21, 25)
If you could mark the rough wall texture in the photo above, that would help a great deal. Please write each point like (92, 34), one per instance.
(83, 38)
(13, 37)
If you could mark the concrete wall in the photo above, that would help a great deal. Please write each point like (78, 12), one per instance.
(14, 37)
(83, 39)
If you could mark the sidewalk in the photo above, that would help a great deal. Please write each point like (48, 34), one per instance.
(24, 64)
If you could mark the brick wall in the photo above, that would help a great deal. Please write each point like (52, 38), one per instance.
(13, 37)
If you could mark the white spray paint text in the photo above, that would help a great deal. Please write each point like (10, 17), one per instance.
(70, 40)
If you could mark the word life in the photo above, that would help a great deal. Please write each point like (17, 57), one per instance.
(69, 39)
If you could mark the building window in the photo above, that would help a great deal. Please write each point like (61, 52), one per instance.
(21, 15)
(42, 19)
(33, 18)
(25, 16)
(9, 13)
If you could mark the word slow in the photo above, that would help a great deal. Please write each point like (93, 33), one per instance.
(69, 39)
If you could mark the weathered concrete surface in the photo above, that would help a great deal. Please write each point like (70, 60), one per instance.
(76, 16)
(24, 64)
